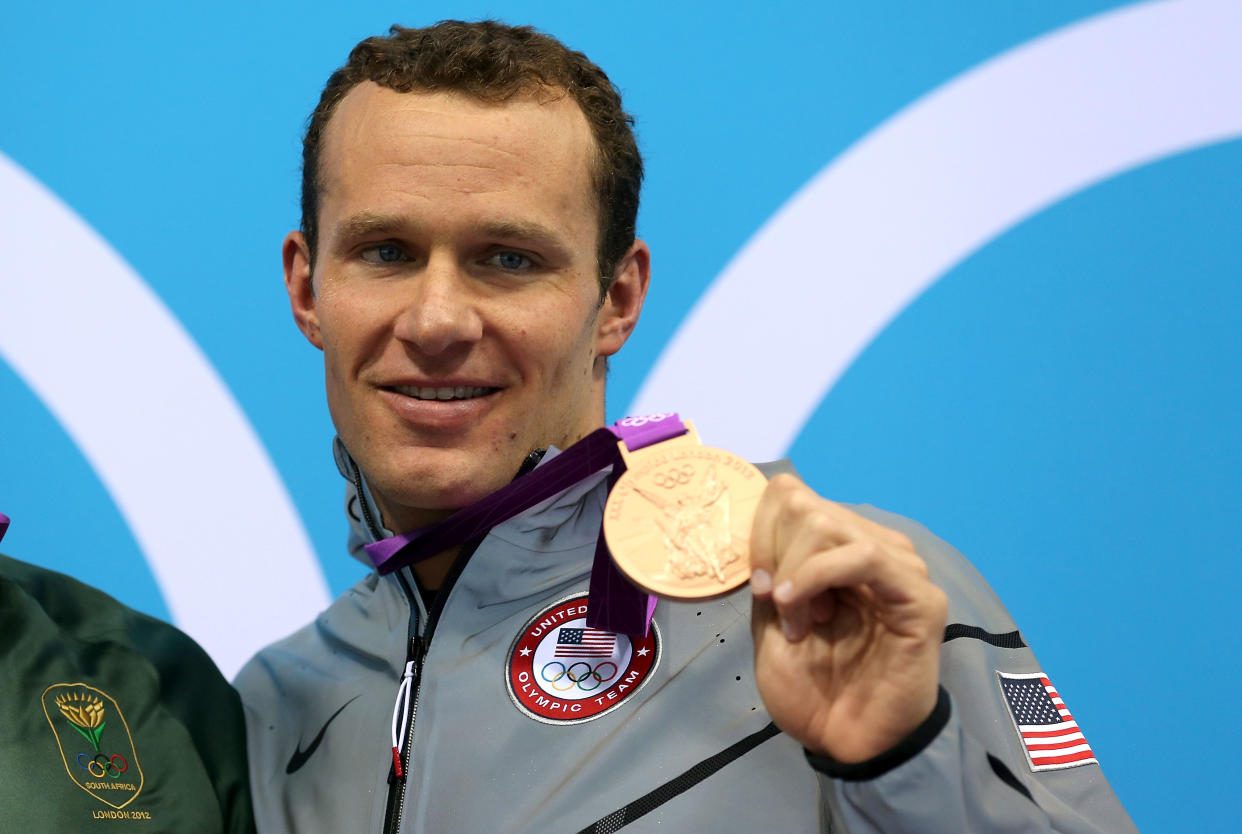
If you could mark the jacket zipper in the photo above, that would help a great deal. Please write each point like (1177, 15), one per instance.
(420, 643)
(419, 646)
(396, 780)
(415, 655)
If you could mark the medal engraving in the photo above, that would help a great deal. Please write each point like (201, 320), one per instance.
(678, 521)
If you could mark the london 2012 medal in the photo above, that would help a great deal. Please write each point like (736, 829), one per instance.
(678, 521)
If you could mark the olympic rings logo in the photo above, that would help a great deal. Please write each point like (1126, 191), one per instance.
(106, 765)
(674, 476)
(644, 419)
(573, 676)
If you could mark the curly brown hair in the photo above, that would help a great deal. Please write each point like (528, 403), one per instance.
(494, 62)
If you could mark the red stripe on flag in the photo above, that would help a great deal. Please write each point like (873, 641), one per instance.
(1050, 733)
(1073, 742)
(1072, 757)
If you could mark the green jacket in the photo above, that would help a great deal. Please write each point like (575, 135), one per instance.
(110, 719)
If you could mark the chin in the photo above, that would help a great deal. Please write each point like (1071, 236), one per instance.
(416, 483)
(417, 493)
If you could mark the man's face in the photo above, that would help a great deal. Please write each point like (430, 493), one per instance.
(455, 292)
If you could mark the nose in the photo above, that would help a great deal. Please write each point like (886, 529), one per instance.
(440, 310)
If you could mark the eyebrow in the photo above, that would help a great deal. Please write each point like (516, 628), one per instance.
(533, 233)
(369, 223)
(366, 223)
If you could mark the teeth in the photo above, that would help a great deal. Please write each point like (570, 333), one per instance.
(461, 392)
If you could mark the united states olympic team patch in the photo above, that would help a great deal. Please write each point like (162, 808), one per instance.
(561, 672)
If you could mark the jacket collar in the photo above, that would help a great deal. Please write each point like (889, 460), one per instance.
(559, 516)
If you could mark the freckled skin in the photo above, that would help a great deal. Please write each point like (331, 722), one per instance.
(429, 200)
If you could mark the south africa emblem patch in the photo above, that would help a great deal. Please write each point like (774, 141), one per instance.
(561, 672)
(95, 742)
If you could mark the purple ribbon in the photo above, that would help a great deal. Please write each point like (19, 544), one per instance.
(4, 525)
(613, 603)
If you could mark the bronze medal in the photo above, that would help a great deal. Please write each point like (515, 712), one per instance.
(678, 521)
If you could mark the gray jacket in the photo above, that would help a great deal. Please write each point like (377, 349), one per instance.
(687, 746)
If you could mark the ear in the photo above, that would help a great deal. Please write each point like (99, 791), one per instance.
(624, 300)
(301, 289)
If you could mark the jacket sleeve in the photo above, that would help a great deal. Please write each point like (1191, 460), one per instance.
(966, 768)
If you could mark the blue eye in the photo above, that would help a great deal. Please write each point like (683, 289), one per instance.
(511, 260)
(386, 253)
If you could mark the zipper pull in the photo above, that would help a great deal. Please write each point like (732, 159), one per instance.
(401, 717)
(396, 764)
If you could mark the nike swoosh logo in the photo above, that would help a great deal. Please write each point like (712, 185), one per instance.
(300, 756)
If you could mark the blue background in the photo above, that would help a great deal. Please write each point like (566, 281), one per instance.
(1063, 406)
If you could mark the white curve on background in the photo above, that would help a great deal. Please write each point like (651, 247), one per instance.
(924, 190)
(158, 426)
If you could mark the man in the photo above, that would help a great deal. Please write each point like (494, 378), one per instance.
(111, 720)
(467, 264)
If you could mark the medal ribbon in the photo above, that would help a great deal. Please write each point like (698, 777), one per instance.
(613, 603)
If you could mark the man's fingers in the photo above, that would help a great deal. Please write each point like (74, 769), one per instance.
(855, 563)
(823, 608)
(793, 526)
(855, 527)
(803, 529)
(763, 532)
(888, 535)
(803, 597)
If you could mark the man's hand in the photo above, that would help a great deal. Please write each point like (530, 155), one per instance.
(847, 626)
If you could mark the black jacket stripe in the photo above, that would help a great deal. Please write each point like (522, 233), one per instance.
(649, 802)
(1008, 640)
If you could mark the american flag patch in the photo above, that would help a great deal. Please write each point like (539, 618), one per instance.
(585, 642)
(1049, 734)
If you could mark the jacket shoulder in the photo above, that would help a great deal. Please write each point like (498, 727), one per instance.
(165, 713)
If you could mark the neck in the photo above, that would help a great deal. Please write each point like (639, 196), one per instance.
(432, 572)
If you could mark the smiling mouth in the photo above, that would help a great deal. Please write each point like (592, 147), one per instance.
(460, 392)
